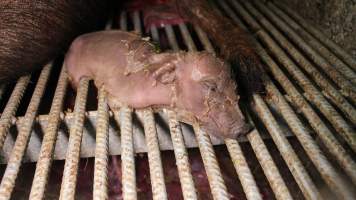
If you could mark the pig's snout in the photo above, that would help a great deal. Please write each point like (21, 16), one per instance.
(231, 123)
(240, 130)
(221, 130)
(226, 122)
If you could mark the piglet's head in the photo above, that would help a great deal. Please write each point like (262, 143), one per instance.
(205, 88)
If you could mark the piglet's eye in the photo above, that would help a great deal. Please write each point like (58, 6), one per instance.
(211, 86)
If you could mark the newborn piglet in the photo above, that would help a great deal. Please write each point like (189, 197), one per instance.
(197, 85)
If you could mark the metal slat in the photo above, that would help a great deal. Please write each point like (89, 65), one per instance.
(328, 173)
(154, 34)
(137, 22)
(294, 164)
(11, 107)
(154, 157)
(314, 95)
(204, 40)
(14, 163)
(304, 181)
(187, 38)
(70, 171)
(100, 190)
(347, 88)
(216, 182)
(153, 152)
(269, 167)
(180, 152)
(127, 154)
(127, 144)
(181, 155)
(324, 51)
(243, 171)
(326, 136)
(340, 52)
(335, 95)
(317, 124)
(100, 187)
(123, 21)
(299, 101)
(171, 37)
(49, 139)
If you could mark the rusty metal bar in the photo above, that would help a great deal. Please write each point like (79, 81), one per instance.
(127, 146)
(70, 171)
(88, 141)
(171, 37)
(313, 151)
(328, 173)
(187, 38)
(340, 80)
(14, 163)
(270, 169)
(127, 154)
(216, 182)
(325, 52)
(243, 171)
(342, 103)
(315, 96)
(298, 171)
(154, 158)
(317, 124)
(100, 190)
(137, 22)
(181, 155)
(204, 39)
(11, 107)
(294, 164)
(49, 139)
(100, 187)
(154, 34)
(108, 25)
(123, 21)
(340, 52)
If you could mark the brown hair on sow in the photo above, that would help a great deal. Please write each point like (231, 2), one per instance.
(33, 32)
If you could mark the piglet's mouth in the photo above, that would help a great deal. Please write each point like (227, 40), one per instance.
(232, 133)
(224, 126)
(240, 131)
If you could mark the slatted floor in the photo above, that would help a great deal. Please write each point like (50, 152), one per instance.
(311, 95)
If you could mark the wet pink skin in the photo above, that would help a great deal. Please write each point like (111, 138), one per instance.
(196, 84)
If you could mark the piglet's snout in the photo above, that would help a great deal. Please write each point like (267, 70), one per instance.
(240, 130)
(232, 124)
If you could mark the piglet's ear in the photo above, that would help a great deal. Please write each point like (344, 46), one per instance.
(166, 73)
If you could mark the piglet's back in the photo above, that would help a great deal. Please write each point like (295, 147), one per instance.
(105, 51)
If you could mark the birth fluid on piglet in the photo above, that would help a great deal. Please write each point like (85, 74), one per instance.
(197, 85)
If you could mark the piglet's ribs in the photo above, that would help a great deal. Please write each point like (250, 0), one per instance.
(234, 43)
